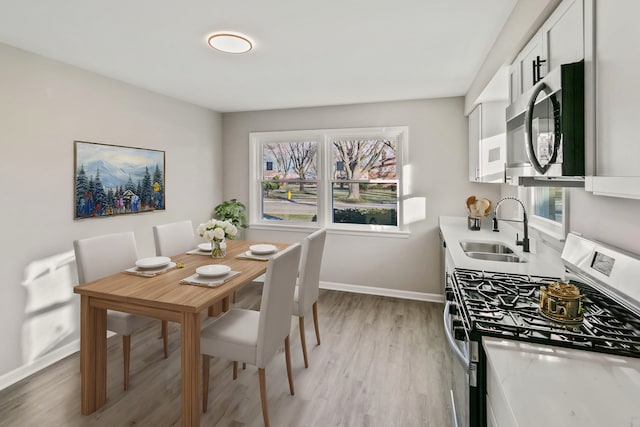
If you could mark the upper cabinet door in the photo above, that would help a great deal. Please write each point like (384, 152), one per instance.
(475, 134)
(487, 142)
(617, 100)
(563, 35)
(528, 62)
(560, 40)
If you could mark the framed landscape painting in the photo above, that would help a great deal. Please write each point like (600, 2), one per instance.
(115, 180)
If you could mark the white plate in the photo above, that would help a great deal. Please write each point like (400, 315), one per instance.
(205, 246)
(153, 262)
(262, 249)
(213, 270)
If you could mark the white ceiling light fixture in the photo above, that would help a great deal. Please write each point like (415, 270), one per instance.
(230, 43)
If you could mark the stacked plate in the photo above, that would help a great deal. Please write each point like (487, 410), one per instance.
(205, 247)
(262, 249)
(213, 270)
(153, 263)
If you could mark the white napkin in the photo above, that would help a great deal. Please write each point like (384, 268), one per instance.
(251, 255)
(198, 252)
(209, 282)
(150, 272)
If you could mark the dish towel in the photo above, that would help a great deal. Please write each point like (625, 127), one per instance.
(209, 282)
(150, 272)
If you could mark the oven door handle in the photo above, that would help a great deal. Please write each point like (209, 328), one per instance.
(462, 358)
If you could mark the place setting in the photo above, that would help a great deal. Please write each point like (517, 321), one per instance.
(210, 276)
(202, 249)
(261, 252)
(152, 266)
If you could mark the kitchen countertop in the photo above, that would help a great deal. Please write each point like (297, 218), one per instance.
(543, 260)
(553, 386)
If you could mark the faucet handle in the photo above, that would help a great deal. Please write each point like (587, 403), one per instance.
(518, 241)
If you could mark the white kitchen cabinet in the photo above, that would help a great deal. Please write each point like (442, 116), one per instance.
(475, 134)
(563, 35)
(487, 142)
(523, 70)
(560, 40)
(617, 98)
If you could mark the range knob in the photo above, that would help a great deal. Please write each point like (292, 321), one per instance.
(453, 309)
(456, 323)
(459, 334)
(448, 295)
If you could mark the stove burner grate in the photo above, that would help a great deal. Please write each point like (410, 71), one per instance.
(507, 305)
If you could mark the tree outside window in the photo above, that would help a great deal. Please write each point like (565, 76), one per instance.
(340, 177)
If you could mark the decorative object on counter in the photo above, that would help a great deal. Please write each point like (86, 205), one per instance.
(478, 209)
(561, 302)
(216, 232)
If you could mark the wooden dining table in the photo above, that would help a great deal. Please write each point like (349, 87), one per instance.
(162, 297)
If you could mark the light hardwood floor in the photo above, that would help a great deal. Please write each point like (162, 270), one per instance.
(382, 362)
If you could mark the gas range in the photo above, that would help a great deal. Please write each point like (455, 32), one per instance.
(508, 306)
(604, 318)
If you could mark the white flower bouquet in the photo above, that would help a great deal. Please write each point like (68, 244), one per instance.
(216, 232)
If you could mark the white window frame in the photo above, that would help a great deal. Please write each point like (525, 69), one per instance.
(551, 229)
(324, 166)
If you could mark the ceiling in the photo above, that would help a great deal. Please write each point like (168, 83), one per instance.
(306, 53)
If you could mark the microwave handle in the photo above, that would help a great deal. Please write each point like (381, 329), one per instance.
(528, 121)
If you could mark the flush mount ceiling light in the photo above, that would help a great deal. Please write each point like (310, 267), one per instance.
(230, 43)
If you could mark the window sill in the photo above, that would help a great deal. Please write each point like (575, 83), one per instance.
(397, 234)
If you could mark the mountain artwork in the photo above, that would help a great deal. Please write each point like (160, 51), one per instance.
(114, 180)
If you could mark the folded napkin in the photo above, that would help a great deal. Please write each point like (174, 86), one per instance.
(198, 252)
(150, 272)
(251, 255)
(209, 282)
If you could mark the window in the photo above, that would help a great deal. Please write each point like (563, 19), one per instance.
(289, 181)
(547, 207)
(340, 178)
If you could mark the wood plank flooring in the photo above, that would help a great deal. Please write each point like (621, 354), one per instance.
(382, 362)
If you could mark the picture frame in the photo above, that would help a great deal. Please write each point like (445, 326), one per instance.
(112, 180)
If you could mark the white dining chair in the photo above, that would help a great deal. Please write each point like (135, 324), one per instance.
(174, 238)
(101, 256)
(305, 298)
(170, 240)
(307, 290)
(254, 337)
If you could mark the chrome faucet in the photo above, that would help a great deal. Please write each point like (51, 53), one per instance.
(525, 241)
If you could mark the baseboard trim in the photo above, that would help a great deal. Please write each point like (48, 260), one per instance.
(31, 368)
(385, 292)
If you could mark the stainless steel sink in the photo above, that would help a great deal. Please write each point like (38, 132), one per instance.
(489, 256)
(490, 247)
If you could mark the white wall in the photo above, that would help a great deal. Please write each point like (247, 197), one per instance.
(608, 219)
(44, 107)
(437, 179)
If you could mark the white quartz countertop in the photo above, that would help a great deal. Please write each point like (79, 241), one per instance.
(553, 386)
(542, 260)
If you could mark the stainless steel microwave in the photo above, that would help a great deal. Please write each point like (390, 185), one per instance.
(545, 131)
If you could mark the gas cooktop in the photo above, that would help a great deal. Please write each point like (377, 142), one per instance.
(508, 306)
